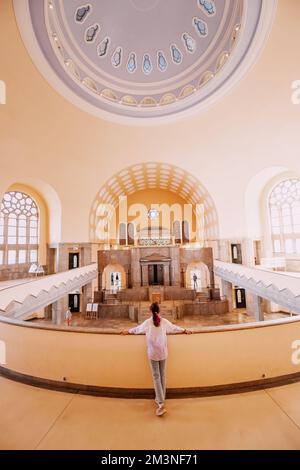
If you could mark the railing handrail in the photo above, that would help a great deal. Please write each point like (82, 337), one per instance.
(19, 292)
(266, 276)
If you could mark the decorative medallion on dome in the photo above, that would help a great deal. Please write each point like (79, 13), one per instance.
(147, 66)
(162, 63)
(176, 54)
(110, 55)
(91, 33)
(201, 27)
(208, 7)
(103, 47)
(82, 13)
(189, 42)
(131, 64)
(117, 57)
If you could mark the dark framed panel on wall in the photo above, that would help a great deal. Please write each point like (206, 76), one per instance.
(73, 260)
(240, 297)
(236, 253)
(74, 302)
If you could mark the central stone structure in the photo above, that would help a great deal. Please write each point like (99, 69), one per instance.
(155, 273)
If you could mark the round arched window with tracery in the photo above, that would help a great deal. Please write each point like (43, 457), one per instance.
(19, 229)
(284, 205)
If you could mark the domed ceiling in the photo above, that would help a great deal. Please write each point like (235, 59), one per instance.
(140, 58)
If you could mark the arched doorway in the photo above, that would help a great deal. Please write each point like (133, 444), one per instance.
(197, 276)
(114, 277)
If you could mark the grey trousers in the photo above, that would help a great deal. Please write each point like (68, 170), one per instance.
(158, 369)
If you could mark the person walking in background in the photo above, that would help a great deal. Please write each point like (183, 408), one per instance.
(68, 317)
(195, 280)
(156, 329)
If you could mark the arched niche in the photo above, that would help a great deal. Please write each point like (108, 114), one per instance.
(114, 277)
(202, 273)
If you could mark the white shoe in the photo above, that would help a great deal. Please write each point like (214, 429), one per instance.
(161, 410)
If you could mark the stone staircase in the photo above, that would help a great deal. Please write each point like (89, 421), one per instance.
(202, 296)
(111, 298)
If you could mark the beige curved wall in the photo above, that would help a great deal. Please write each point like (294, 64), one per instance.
(204, 359)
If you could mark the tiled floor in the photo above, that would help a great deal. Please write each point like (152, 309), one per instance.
(195, 321)
(31, 418)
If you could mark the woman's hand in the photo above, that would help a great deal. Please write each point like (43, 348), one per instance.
(124, 332)
(188, 332)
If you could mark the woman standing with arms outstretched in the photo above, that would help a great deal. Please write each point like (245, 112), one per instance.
(156, 329)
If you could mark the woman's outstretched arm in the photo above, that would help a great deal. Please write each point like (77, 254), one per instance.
(171, 328)
(137, 330)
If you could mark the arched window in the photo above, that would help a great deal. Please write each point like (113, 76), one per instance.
(19, 229)
(284, 206)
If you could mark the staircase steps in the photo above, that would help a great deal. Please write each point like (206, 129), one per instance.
(166, 312)
(111, 298)
(202, 297)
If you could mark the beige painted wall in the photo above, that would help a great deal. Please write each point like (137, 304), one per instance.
(46, 138)
(120, 361)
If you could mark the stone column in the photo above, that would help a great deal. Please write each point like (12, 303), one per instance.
(166, 274)
(254, 306)
(100, 281)
(59, 309)
(135, 268)
(212, 278)
(85, 255)
(175, 266)
(182, 276)
(145, 275)
(266, 305)
(87, 296)
(227, 292)
(63, 258)
(48, 312)
(128, 278)
(224, 251)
